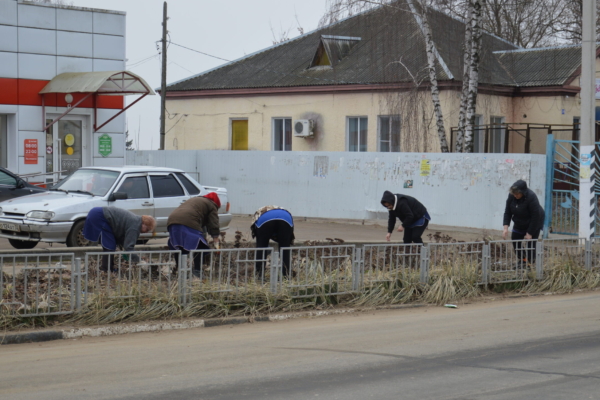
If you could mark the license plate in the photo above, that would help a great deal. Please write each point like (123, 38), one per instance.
(9, 227)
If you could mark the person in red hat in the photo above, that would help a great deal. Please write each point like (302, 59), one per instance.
(186, 224)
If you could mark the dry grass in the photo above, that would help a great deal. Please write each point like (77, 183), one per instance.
(314, 285)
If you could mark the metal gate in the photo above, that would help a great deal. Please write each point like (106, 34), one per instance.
(562, 187)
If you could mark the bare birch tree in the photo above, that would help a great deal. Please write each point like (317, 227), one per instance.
(433, 83)
(569, 27)
(472, 47)
(462, 114)
(474, 57)
(526, 23)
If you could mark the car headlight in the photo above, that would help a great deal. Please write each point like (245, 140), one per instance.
(43, 215)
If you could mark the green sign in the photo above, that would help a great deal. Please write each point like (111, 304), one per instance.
(105, 145)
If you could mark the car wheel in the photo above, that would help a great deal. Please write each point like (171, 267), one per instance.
(75, 238)
(22, 244)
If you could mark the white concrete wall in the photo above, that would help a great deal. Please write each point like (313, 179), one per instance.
(461, 190)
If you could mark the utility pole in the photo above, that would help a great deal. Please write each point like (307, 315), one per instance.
(587, 173)
(163, 79)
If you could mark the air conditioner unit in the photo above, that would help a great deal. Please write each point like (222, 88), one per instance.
(304, 127)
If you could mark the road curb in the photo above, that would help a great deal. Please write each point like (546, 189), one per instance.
(31, 337)
(124, 329)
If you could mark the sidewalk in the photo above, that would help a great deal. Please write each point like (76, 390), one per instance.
(358, 230)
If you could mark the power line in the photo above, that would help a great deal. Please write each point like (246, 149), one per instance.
(198, 51)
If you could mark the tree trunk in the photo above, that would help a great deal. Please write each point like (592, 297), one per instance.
(462, 115)
(435, 92)
(474, 73)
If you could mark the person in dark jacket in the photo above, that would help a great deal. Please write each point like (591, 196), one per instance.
(186, 224)
(112, 227)
(277, 224)
(412, 214)
(527, 215)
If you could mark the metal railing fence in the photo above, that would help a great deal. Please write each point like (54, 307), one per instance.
(511, 260)
(230, 270)
(573, 252)
(128, 275)
(40, 285)
(390, 265)
(312, 271)
(463, 259)
(37, 285)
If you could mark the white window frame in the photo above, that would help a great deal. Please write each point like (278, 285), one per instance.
(479, 130)
(502, 135)
(273, 120)
(391, 117)
(359, 117)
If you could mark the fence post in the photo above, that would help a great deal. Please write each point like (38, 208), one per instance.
(485, 264)
(588, 254)
(357, 269)
(424, 264)
(549, 183)
(275, 270)
(539, 260)
(78, 283)
(183, 279)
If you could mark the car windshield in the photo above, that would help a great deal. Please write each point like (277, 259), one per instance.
(94, 181)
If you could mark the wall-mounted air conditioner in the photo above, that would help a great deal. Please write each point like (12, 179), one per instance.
(304, 127)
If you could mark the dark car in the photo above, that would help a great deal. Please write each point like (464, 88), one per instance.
(12, 186)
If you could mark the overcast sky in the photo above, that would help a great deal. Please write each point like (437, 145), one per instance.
(227, 29)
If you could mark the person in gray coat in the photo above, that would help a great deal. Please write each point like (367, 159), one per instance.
(112, 227)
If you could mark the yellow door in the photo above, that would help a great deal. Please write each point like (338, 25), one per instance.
(239, 135)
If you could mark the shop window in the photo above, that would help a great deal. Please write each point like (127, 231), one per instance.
(3, 140)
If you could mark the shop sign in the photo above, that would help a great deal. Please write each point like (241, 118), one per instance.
(31, 151)
(105, 145)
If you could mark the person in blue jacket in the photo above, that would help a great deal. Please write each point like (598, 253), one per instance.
(412, 214)
(277, 224)
(112, 227)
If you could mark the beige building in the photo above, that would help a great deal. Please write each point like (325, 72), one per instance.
(361, 85)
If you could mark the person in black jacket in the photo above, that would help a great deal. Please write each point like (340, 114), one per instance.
(412, 214)
(524, 209)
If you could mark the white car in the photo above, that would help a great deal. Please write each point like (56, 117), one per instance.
(59, 214)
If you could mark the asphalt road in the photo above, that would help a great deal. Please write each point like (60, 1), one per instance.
(546, 347)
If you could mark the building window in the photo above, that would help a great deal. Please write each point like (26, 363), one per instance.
(282, 134)
(498, 132)
(239, 134)
(389, 133)
(357, 133)
(478, 135)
